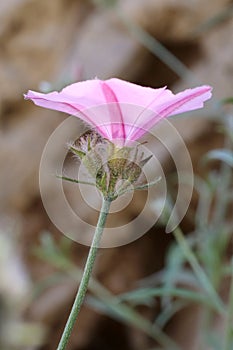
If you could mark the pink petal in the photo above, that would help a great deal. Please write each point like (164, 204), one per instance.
(88, 92)
(135, 94)
(51, 100)
(184, 101)
(187, 100)
(119, 109)
(60, 102)
(115, 113)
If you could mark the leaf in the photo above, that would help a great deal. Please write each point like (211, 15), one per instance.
(228, 100)
(147, 185)
(75, 180)
(223, 155)
(169, 311)
(79, 153)
(147, 293)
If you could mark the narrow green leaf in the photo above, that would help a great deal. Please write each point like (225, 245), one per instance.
(147, 185)
(79, 153)
(141, 294)
(223, 155)
(75, 180)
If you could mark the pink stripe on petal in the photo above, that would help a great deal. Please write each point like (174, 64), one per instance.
(138, 123)
(187, 100)
(51, 104)
(65, 107)
(116, 117)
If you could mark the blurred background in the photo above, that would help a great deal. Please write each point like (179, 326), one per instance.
(45, 45)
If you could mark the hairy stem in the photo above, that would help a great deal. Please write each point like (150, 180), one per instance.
(86, 275)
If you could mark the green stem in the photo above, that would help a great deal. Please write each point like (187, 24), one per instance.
(113, 306)
(86, 275)
(228, 341)
(200, 273)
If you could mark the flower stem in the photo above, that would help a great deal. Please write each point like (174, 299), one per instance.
(86, 275)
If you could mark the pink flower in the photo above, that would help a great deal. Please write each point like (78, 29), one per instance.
(119, 110)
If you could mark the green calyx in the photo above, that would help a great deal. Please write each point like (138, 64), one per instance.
(114, 170)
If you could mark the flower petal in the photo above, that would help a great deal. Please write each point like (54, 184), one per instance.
(135, 94)
(184, 101)
(118, 109)
(188, 100)
(115, 113)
